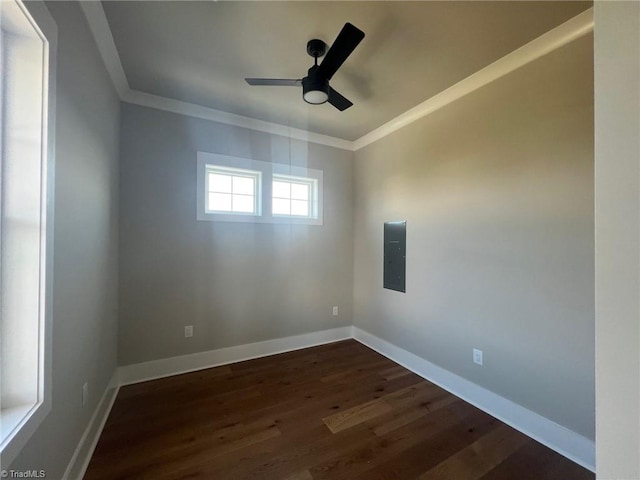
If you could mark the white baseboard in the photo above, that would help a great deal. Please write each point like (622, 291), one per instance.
(82, 456)
(165, 367)
(141, 372)
(564, 441)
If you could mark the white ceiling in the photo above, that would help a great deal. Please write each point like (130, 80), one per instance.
(200, 52)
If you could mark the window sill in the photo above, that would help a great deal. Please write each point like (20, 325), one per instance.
(11, 418)
(221, 217)
(18, 425)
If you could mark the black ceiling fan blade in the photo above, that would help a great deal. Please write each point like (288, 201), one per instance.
(345, 43)
(338, 101)
(274, 82)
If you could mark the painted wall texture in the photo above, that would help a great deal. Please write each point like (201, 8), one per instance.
(497, 191)
(236, 283)
(617, 161)
(85, 303)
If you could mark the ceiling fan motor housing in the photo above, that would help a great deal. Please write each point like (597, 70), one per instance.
(315, 87)
(316, 48)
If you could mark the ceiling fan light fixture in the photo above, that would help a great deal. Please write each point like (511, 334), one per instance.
(315, 97)
(315, 89)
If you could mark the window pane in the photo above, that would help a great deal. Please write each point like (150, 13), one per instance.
(300, 207)
(243, 185)
(281, 190)
(219, 183)
(22, 218)
(243, 203)
(300, 191)
(220, 202)
(281, 206)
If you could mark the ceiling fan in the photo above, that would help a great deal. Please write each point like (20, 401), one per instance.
(315, 86)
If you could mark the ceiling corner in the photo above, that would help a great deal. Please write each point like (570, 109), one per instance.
(99, 26)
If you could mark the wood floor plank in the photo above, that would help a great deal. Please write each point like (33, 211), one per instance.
(480, 457)
(154, 386)
(356, 370)
(363, 461)
(311, 403)
(152, 462)
(535, 461)
(394, 372)
(336, 411)
(457, 426)
(276, 458)
(399, 421)
(304, 475)
(356, 415)
(355, 459)
(314, 450)
(410, 407)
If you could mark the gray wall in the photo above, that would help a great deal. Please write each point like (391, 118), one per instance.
(85, 243)
(617, 160)
(236, 283)
(497, 191)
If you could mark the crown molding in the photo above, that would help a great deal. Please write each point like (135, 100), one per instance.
(563, 34)
(101, 31)
(99, 26)
(558, 37)
(206, 113)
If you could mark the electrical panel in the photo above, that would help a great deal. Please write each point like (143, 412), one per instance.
(395, 255)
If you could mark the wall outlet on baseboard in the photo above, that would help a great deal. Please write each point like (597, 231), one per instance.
(335, 311)
(188, 331)
(477, 356)
(85, 393)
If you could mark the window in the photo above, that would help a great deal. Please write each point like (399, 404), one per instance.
(26, 228)
(231, 190)
(294, 196)
(234, 189)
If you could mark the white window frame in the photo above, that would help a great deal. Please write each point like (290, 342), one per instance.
(20, 423)
(311, 183)
(235, 172)
(268, 171)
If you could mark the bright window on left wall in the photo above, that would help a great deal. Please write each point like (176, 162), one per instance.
(27, 53)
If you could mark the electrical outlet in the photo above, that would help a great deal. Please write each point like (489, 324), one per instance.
(335, 311)
(85, 393)
(477, 356)
(188, 331)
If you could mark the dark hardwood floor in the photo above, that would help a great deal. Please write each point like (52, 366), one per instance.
(337, 411)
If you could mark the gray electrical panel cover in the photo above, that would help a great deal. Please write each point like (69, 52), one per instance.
(395, 255)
